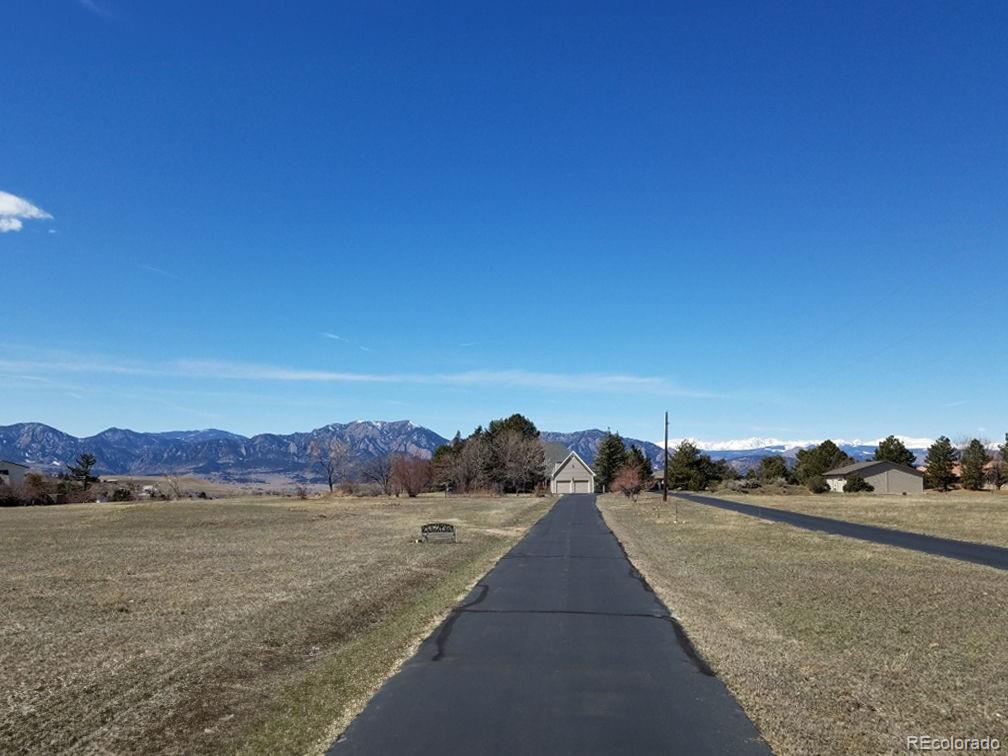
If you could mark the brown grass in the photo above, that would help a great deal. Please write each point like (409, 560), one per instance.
(831, 645)
(222, 626)
(980, 516)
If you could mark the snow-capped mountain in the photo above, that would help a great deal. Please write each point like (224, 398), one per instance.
(759, 443)
(747, 452)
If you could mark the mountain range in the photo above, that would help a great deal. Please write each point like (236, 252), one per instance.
(211, 453)
(226, 456)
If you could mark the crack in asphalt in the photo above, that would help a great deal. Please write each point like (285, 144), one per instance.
(446, 628)
(556, 556)
(583, 612)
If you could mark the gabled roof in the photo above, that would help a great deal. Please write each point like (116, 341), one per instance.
(568, 458)
(860, 467)
(556, 454)
(16, 464)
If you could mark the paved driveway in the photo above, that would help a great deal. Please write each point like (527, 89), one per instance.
(560, 649)
(967, 551)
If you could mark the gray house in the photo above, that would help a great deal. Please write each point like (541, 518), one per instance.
(884, 477)
(572, 475)
(12, 474)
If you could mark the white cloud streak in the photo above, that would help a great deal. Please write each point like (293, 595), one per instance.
(333, 336)
(160, 272)
(187, 368)
(95, 7)
(14, 211)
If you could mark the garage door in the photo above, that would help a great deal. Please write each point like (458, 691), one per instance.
(582, 486)
(563, 486)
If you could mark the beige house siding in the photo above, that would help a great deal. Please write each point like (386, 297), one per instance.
(12, 474)
(896, 482)
(887, 480)
(573, 476)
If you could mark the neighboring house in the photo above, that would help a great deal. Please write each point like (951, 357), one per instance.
(884, 477)
(572, 475)
(12, 474)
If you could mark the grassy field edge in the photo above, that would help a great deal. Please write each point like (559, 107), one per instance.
(827, 643)
(980, 517)
(311, 713)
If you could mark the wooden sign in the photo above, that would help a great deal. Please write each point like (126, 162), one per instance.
(437, 531)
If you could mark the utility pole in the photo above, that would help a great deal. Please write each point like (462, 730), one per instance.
(664, 488)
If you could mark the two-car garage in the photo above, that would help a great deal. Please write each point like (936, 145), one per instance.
(572, 475)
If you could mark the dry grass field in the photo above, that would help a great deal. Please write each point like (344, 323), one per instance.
(980, 516)
(193, 485)
(224, 626)
(831, 645)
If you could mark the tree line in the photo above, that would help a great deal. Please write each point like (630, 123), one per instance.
(393, 474)
(689, 468)
(977, 467)
(505, 457)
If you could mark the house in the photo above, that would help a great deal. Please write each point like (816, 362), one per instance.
(567, 472)
(884, 477)
(12, 474)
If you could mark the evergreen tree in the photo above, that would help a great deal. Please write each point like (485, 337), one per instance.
(819, 460)
(609, 458)
(638, 460)
(941, 458)
(689, 468)
(81, 470)
(891, 449)
(773, 468)
(974, 458)
(525, 427)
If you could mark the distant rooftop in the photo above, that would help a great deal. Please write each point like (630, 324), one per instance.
(555, 453)
(858, 467)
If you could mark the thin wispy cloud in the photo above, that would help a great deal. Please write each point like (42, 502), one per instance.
(99, 9)
(14, 211)
(366, 349)
(333, 336)
(466, 344)
(160, 272)
(188, 368)
(959, 403)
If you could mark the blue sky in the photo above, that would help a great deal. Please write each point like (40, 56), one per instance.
(776, 220)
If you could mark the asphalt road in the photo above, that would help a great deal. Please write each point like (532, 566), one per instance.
(561, 649)
(967, 551)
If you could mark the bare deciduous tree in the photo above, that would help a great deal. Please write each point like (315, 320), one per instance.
(996, 474)
(518, 461)
(379, 470)
(410, 475)
(174, 485)
(334, 459)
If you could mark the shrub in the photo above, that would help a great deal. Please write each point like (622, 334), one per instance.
(410, 475)
(9, 497)
(121, 494)
(697, 481)
(742, 485)
(628, 481)
(817, 484)
(856, 483)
